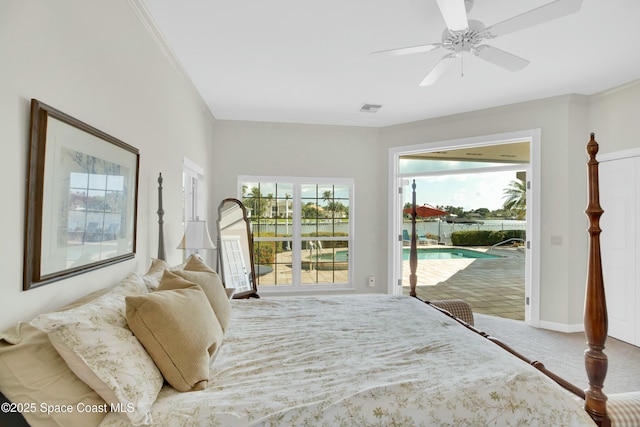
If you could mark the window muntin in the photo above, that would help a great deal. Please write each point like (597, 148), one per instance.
(95, 208)
(302, 230)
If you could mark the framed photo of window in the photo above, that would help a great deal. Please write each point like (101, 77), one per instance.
(82, 197)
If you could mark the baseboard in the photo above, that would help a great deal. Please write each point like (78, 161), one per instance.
(561, 327)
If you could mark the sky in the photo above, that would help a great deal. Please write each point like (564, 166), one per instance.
(469, 191)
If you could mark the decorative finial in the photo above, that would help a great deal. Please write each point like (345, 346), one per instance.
(592, 146)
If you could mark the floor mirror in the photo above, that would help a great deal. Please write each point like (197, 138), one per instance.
(235, 249)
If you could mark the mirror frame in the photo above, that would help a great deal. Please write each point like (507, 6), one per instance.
(252, 293)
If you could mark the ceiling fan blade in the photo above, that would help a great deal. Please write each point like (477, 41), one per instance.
(438, 70)
(408, 50)
(454, 14)
(548, 12)
(501, 58)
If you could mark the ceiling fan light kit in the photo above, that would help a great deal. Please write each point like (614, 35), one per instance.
(464, 36)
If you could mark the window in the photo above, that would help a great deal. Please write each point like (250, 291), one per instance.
(192, 179)
(96, 207)
(302, 230)
(192, 176)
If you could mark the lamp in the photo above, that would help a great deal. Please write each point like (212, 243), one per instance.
(196, 236)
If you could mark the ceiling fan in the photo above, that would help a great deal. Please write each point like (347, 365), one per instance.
(463, 36)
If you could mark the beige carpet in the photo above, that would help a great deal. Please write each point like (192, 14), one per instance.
(564, 353)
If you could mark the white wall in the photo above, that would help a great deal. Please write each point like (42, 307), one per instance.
(614, 116)
(97, 62)
(251, 148)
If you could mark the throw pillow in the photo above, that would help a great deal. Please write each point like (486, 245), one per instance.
(99, 348)
(179, 330)
(199, 273)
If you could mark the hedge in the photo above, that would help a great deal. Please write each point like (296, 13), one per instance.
(484, 237)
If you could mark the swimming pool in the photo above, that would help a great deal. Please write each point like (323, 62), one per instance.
(423, 253)
(447, 253)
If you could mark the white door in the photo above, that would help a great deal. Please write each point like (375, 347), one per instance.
(618, 198)
(234, 268)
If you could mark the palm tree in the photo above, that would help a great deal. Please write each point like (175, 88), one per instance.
(327, 197)
(254, 201)
(516, 195)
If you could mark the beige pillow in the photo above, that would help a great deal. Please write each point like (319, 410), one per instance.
(154, 274)
(199, 273)
(32, 373)
(95, 342)
(158, 266)
(178, 329)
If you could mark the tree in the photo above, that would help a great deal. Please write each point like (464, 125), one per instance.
(337, 208)
(516, 198)
(309, 210)
(255, 201)
(327, 196)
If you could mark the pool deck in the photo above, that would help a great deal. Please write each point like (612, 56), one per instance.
(491, 286)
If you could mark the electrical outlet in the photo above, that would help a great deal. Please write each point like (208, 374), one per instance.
(372, 281)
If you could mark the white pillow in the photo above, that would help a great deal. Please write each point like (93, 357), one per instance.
(96, 343)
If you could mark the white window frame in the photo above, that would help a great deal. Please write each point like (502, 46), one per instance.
(192, 176)
(192, 183)
(296, 235)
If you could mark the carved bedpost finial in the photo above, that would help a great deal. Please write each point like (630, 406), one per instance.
(595, 306)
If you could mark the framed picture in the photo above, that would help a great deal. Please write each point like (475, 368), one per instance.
(82, 197)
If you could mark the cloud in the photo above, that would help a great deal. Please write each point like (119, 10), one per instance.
(469, 191)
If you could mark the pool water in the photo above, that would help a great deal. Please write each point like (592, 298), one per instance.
(447, 253)
(423, 253)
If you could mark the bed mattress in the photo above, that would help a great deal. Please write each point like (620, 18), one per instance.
(361, 360)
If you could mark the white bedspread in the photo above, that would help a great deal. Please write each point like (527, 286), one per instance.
(372, 360)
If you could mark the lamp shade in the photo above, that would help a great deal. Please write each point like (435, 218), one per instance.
(196, 236)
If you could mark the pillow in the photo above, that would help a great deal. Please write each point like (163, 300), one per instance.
(99, 348)
(33, 373)
(154, 274)
(199, 273)
(179, 330)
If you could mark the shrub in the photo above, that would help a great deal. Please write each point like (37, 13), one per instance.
(264, 254)
(484, 237)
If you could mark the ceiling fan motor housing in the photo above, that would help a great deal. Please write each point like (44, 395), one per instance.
(463, 41)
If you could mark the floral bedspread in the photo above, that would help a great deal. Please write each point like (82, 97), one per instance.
(373, 360)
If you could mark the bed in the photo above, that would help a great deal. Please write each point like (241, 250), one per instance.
(323, 360)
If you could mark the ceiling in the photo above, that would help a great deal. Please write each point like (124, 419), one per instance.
(300, 61)
(512, 153)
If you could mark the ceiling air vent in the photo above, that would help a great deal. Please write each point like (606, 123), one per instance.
(370, 108)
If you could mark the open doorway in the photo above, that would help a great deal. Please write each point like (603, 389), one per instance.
(473, 160)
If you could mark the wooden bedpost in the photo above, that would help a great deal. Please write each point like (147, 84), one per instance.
(413, 255)
(160, 212)
(595, 307)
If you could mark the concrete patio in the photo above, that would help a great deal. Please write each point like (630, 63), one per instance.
(491, 286)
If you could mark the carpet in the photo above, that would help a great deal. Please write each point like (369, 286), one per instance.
(563, 353)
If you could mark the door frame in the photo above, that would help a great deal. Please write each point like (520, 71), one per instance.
(532, 251)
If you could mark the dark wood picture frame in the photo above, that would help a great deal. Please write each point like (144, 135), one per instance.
(81, 199)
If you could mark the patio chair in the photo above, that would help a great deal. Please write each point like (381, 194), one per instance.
(406, 240)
